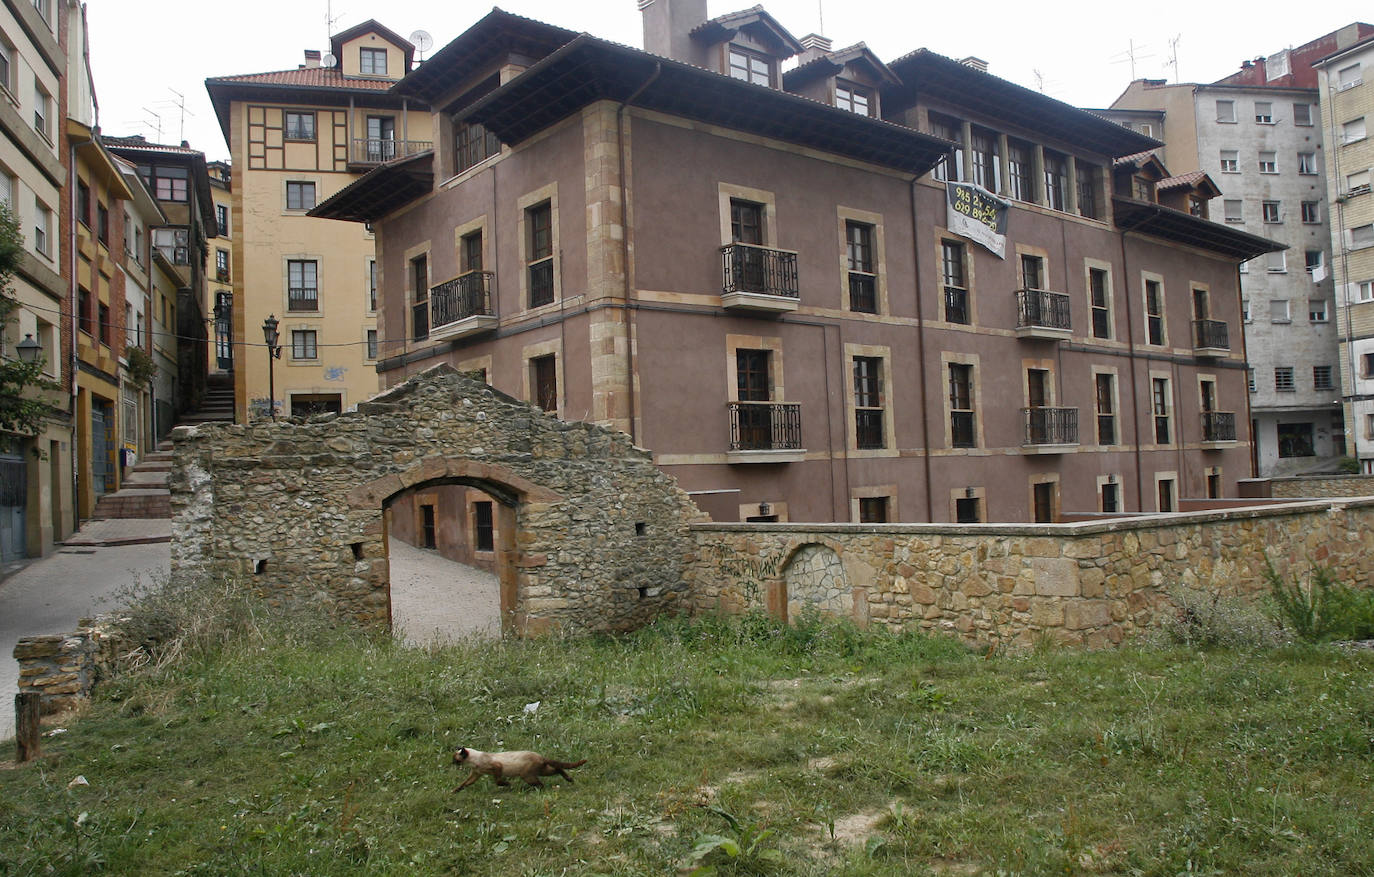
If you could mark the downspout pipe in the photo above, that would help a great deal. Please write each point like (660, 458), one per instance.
(921, 350)
(625, 245)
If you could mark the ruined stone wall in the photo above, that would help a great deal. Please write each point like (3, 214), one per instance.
(1089, 583)
(599, 535)
(63, 667)
(1313, 486)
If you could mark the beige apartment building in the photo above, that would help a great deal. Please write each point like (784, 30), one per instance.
(297, 137)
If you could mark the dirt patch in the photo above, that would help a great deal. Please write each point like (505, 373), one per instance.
(856, 827)
(821, 765)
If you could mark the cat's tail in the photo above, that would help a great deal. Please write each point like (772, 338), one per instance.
(565, 765)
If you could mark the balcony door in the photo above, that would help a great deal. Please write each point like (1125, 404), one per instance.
(746, 227)
(381, 138)
(752, 385)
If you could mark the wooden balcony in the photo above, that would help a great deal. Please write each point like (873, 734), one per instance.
(759, 279)
(1043, 315)
(462, 306)
(765, 432)
(1210, 338)
(1050, 430)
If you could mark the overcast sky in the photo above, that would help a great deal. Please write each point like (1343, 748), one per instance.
(142, 51)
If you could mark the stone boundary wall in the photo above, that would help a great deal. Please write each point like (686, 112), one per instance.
(1085, 583)
(63, 667)
(1320, 486)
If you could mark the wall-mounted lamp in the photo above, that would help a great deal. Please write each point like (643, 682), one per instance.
(29, 350)
(1111, 479)
(970, 493)
(765, 509)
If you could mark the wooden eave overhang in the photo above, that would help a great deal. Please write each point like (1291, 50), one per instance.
(1178, 227)
(225, 90)
(483, 46)
(192, 159)
(588, 69)
(381, 190)
(833, 63)
(927, 75)
(757, 23)
(98, 160)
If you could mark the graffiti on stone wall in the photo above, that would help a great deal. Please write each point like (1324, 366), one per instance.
(749, 572)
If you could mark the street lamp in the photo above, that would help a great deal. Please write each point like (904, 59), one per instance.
(269, 334)
(29, 350)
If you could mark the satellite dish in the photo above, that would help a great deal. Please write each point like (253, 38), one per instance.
(422, 41)
(328, 60)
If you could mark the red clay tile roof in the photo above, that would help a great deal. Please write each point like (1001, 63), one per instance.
(141, 143)
(1181, 180)
(310, 77)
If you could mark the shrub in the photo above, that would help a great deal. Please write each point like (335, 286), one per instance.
(1208, 619)
(1323, 609)
(1348, 466)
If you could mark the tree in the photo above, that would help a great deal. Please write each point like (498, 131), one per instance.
(21, 404)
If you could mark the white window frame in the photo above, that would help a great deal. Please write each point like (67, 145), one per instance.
(1282, 263)
(1307, 163)
(1281, 314)
(1353, 131)
(1229, 116)
(1230, 161)
(1264, 112)
(1353, 79)
(1357, 183)
(1239, 215)
(1269, 165)
(1271, 211)
(1364, 291)
(1306, 111)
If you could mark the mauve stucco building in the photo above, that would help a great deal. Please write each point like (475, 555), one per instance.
(753, 272)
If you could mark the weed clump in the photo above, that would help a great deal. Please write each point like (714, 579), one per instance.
(1211, 620)
(1321, 610)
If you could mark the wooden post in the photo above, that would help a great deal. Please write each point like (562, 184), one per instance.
(26, 705)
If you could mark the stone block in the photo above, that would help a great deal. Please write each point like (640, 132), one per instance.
(1047, 612)
(1087, 615)
(1055, 576)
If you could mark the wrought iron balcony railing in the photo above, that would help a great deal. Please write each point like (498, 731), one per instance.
(759, 270)
(1042, 309)
(963, 432)
(863, 292)
(765, 426)
(541, 283)
(1051, 426)
(1218, 426)
(419, 320)
(375, 150)
(303, 299)
(1210, 335)
(868, 428)
(956, 305)
(467, 295)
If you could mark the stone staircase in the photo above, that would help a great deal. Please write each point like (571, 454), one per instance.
(217, 406)
(144, 491)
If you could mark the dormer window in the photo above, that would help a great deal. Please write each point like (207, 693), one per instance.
(372, 62)
(854, 98)
(751, 66)
(1142, 189)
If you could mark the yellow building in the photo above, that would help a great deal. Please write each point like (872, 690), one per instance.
(218, 271)
(296, 137)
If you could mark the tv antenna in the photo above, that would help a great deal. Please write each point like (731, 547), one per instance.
(1173, 55)
(422, 41)
(1132, 54)
(155, 125)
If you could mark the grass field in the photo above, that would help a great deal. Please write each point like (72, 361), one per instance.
(289, 748)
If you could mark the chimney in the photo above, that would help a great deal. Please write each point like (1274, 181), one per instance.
(312, 57)
(976, 63)
(814, 46)
(667, 25)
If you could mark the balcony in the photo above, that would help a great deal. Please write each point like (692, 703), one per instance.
(956, 305)
(1050, 430)
(759, 279)
(1042, 314)
(462, 306)
(765, 432)
(376, 150)
(1210, 338)
(1218, 429)
(863, 293)
(303, 298)
(963, 432)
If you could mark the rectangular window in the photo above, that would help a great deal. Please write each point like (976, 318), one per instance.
(1245, 309)
(41, 110)
(1230, 161)
(1264, 112)
(1056, 179)
(873, 510)
(963, 431)
(103, 324)
(544, 380)
(1276, 263)
(475, 144)
(1357, 182)
(174, 244)
(1159, 406)
(299, 126)
(483, 529)
(955, 283)
(1268, 162)
(1269, 210)
(372, 284)
(1166, 494)
(967, 510)
(1364, 291)
(750, 66)
(1311, 213)
(222, 220)
(470, 252)
(868, 402)
(371, 343)
(950, 167)
(1020, 170)
(1032, 272)
(303, 344)
(1154, 312)
(1250, 378)
(1101, 304)
(372, 62)
(102, 224)
(6, 66)
(746, 221)
(1042, 499)
(987, 162)
(854, 98)
(1348, 77)
(1322, 377)
(419, 289)
(1307, 163)
(300, 195)
(168, 183)
(1106, 409)
(1111, 497)
(1232, 210)
(1312, 260)
(1283, 379)
(1302, 115)
(863, 280)
(1295, 440)
(1278, 311)
(1362, 236)
(1213, 485)
(539, 224)
(222, 264)
(84, 314)
(1089, 189)
(1226, 111)
(1316, 310)
(1353, 130)
(1367, 365)
(302, 285)
(42, 227)
(83, 203)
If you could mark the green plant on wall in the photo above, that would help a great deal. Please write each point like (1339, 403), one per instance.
(142, 369)
(21, 410)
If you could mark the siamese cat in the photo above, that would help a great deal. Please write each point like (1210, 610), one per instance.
(502, 766)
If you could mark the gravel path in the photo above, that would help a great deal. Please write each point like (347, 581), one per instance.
(436, 600)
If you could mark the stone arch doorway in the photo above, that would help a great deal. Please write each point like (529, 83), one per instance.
(449, 544)
(814, 580)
